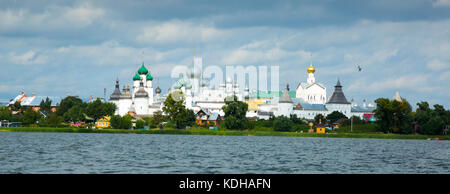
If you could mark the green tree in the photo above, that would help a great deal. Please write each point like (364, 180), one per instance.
(108, 108)
(356, 121)
(185, 118)
(174, 105)
(126, 122)
(94, 109)
(402, 117)
(393, 116)
(67, 103)
(5, 113)
(296, 120)
(319, 119)
(74, 114)
(431, 121)
(334, 116)
(157, 119)
(116, 122)
(46, 106)
(282, 123)
(53, 120)
(16, 106)
(176, 111)
(140, 124)
(235, 112)
(384, 114)
(31, 117)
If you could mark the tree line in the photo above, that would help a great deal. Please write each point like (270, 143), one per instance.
(70, 109)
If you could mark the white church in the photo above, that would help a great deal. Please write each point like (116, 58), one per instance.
(309, 100)
(200, 95)
(140, 100)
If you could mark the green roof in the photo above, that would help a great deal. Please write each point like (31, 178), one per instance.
(136, 77)
(271, 94)
(142, 70)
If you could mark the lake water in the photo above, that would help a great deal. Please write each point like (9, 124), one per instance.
(144, 153)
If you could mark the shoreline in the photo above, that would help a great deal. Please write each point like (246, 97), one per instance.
(228, 133)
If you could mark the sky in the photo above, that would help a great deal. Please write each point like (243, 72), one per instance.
(59, 48)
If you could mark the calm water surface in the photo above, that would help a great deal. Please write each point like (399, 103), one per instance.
(144, 153)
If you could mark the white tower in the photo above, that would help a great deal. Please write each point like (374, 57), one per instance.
(285, 104)
(115, 96)
(311, 79)
(141, 100)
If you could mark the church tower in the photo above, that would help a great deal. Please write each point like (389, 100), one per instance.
(285, 104)
(311, 79)
(115, 96)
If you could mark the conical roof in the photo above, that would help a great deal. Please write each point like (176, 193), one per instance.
(338, 96)
(116, 94)
(285, 97)
(397, 97)
(141, 92)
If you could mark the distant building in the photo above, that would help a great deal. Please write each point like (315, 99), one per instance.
(309, 101)
(34, 102)
(103, 122)
(140, 99)
(311, 91)
(206, 118)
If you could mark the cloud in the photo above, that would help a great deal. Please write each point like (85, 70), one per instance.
(27, 58)
(179, 32)
(83, 15)
(417, 82)
(437, 65)
(445, 76)
(56, 18)
(399, 46)
(441, 3)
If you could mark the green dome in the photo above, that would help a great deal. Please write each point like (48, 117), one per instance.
(142, 70)
(149, 77)
(136, 77)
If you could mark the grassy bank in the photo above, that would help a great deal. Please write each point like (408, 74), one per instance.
(226, 132)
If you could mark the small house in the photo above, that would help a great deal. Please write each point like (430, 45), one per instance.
(320, 128)
(103, 122)
(205, 118)
(214, 119)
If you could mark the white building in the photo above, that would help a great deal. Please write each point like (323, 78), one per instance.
(140, 100)
(309, 101)
(311, 91)
(200, 95)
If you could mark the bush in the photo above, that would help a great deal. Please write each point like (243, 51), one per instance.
(282, 123)
(359, 128)
(140, 124)
(170, 125)
(126, 122)
(116, 121)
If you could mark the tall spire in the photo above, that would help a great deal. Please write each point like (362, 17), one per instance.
(142, 57)
(311, 69)
(397, 97)
(285, 97)
(338, 96)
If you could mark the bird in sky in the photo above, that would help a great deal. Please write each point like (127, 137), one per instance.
(359, 68)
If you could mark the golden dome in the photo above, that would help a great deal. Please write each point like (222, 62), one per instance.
(311, 69)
